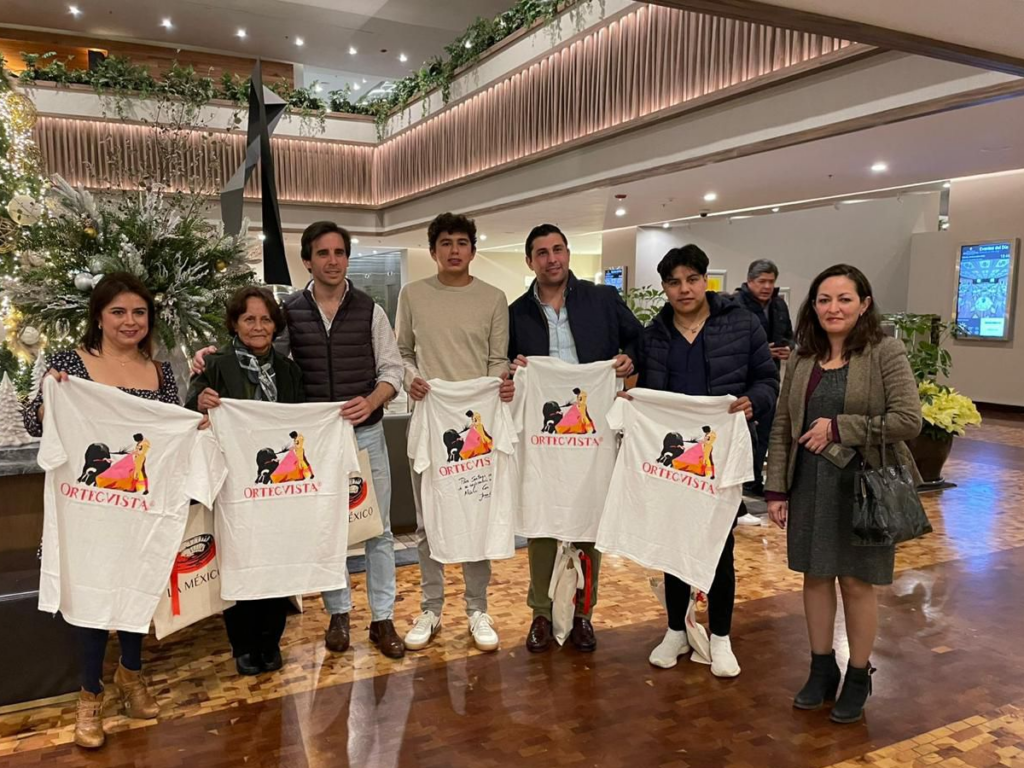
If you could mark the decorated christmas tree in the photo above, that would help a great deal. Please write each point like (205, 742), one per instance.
(12, 425)
(69, 240)
(22, 190)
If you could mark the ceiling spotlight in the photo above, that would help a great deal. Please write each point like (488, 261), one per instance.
(710, 197)
(355, 241)
(166, 24)
(620, 211)
(300, 42)
(74, 10)
(374, 253)
(947, 185)
(483, 238)
(775, 210)
(364, 81)
(318, 88)
(403, 58)
(240, 34)
(356, 86)
(352, 51)
(879, 167)
(666, 225)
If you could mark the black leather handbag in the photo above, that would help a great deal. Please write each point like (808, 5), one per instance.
(888, 510)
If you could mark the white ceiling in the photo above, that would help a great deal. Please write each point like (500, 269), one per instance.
(418, 28)
(988, 25)
(965, 142)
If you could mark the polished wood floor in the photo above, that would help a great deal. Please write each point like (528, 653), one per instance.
(949, 689)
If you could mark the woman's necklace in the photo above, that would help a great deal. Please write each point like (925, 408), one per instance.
(122, 360)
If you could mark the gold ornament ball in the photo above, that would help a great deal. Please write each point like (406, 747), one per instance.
(222, 266)
(91, 232)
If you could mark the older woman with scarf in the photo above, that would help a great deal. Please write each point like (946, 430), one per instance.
(250, 369)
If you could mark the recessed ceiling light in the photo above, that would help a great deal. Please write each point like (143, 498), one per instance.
(666, 225)
(166, 24)
(240, 34)
(74, 10)
(403, 58)
(710, 197)
(879, 167)
(352, 50)
(374, 253)
(300, 42)
(620, 211)
(483, 238)
(355, 241)
(364, 81)
(775, 210)
(947, 185)
(357, 86)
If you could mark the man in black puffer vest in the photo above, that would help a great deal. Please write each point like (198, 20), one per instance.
(704, 343)
(348, 353)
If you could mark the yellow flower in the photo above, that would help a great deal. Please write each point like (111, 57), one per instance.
(946, 409)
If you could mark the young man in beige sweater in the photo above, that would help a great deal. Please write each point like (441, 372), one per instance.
(453, 327)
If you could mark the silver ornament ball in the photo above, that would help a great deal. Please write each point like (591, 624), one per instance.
(83, 281)
(29, 336)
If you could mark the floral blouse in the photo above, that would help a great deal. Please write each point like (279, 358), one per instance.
(69, 362)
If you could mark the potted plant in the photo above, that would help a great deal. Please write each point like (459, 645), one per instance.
(645, 302)
(946, 412)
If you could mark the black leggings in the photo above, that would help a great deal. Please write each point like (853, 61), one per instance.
(256, 626)
(720, 599)
(92, 645)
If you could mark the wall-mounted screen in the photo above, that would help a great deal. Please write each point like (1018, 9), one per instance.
(616, 277)
(985, 289)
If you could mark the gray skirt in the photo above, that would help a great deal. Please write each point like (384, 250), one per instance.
(821, 503)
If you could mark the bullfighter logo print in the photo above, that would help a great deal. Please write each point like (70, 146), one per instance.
(469, 442)
(696, 460)
(570, 418)
(293, 468)
(195, 554)
(126, 474)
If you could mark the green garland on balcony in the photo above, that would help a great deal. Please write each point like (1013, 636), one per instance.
(119, 78)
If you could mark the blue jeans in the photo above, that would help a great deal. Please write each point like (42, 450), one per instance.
(380, 551)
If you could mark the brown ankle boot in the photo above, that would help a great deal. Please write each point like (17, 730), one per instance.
(135, 699)
(89, 720)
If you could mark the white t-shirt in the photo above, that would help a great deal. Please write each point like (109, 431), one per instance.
(566, 451)
(120, 472)
(678, 482)
(282, 515)
(461, 440)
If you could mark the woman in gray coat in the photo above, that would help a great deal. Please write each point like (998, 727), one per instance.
(846, 376)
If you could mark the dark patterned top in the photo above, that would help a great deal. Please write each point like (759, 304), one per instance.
(69, 362)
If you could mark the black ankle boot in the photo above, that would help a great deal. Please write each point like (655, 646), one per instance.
(850, 705)
(822, 684)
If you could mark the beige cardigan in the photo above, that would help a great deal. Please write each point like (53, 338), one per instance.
(879, 381)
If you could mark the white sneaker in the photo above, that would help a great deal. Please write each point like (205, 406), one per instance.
(723, 660)
(749, 519)
(667, 654)
(481, 626)
(424, 629)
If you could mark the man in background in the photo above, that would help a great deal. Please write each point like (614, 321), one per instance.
(761, 296)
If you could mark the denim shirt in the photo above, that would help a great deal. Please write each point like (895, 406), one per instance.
(560, 341)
